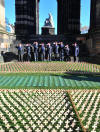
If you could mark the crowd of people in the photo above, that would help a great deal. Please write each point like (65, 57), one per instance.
(57, 51)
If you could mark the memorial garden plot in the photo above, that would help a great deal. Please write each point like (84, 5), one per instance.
(88, 106)
(37, 110)
(49, 110)
(50, 67)
(49, 97)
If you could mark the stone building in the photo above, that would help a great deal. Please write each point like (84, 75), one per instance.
(27, 18)
(6, 39)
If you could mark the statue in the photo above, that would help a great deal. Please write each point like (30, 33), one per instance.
(48, 28)
(49, 21)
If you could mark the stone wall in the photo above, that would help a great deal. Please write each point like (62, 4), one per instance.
(5, 40)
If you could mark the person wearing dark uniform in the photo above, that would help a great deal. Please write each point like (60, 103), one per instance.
(42, 52)
(67, 53)
(56, 52)
(76, 52)
(28, 49)
(61, 51)
(72, 52)
(49, 51)
(35, 51)
(20, 52)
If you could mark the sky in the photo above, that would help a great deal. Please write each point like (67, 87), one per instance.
(48, 6)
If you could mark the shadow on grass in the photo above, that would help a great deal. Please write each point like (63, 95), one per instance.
(72, 76)
(80, 77)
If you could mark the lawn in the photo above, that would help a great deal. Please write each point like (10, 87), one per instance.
(49, 81)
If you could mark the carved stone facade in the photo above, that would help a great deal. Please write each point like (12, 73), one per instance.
(68, 16)
(27, 18)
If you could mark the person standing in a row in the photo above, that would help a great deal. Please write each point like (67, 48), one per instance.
(56, 52)
(49, 51)
(28, 49)
(61, 50)
(67, 52)
(36, 47)
(76, 52)
(20, 52)
(42, 52)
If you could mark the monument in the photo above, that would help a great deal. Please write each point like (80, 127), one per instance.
(68, 17)
(27, 18)
(48, 28)
(94, 31)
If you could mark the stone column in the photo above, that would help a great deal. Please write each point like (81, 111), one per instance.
(37, 16)
(27, 18)
(68, 16)
(95, 24)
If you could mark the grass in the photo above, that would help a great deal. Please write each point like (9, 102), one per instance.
(51, 81)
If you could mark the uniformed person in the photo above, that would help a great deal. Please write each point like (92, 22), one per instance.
(67, 52)
(20, 52)
(35, 45)
(56, 51)
(61, 51)
(76, 52)
(49, 51)
(28, 49)
(42, 52)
